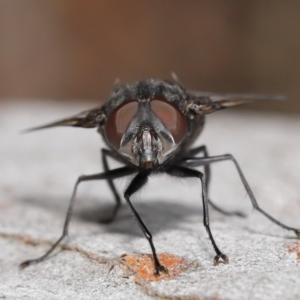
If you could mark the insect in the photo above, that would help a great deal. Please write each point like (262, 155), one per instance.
(150, 126)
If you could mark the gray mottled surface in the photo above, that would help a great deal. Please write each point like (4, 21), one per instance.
(38, 172)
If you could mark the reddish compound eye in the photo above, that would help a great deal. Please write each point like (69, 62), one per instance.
(118, 122)
(171, 117)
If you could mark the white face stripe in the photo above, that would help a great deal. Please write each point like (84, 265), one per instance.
(147, 140)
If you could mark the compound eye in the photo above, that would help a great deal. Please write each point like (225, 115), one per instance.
(171, 117)
(119, 121)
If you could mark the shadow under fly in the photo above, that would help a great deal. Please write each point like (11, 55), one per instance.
(149, 126)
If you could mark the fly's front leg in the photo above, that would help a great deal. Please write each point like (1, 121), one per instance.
(138, 182)
(107, 175)
(202, 161)
(111, 185)
(179, 171)
(207, 175)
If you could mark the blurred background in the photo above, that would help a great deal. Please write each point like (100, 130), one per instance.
(69, 50)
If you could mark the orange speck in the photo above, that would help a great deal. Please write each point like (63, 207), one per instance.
(294, 248)
(26, 240)
(143, 266)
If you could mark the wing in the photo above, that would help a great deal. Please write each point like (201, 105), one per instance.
(86, 119)
(206, 103)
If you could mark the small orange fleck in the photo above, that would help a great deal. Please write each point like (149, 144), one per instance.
(294, 248)
(26, 240)
(143, 266)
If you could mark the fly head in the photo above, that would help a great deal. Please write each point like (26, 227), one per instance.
(146, 130)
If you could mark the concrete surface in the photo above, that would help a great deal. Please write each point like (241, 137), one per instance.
(38, 171)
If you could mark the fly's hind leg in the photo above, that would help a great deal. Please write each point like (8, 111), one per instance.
(202, 161)
(106, 175)
(207, 175)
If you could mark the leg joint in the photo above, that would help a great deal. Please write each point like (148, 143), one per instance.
(229, 156)
(80, 178)
(148, 235)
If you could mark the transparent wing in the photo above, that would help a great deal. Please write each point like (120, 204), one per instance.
(86, 119)
(206, 102)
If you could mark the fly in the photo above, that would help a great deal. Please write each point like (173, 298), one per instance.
(149, 126)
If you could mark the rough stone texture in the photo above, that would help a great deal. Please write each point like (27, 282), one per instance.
(38, 171)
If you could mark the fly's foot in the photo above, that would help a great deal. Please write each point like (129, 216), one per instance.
(223, 257)
(26, 263)
(239, 214)
(159, 269)
(227, 213)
